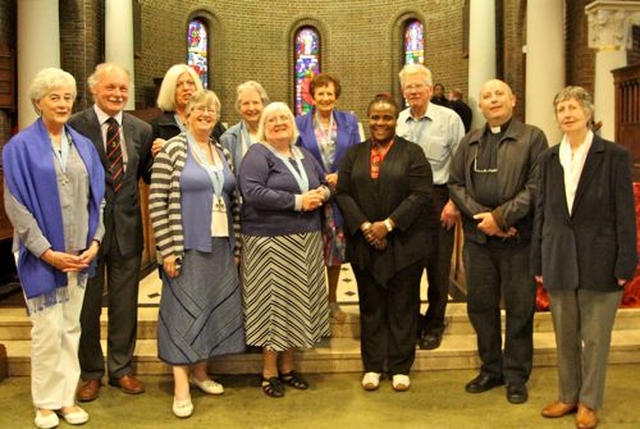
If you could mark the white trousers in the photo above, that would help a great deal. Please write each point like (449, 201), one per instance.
(55, 335)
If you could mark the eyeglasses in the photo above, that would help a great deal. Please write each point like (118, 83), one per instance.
(203, 109)
(482, 170)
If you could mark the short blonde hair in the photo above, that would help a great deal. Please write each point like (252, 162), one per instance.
(251, 85)
(272, 109)
(577, 93)
(206, 98)
(47, 80)
(416, 69)
(167, 93)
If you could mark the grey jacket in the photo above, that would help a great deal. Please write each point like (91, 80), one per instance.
(518, 152)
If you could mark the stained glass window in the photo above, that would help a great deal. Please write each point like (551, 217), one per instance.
(307, 59)
(414, 43)
(198, 41)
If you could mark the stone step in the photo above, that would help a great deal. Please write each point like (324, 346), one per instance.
(339, 355)
(15, 324)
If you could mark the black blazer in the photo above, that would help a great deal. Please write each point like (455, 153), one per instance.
(122, 217)
(596, 244)
(402, 192)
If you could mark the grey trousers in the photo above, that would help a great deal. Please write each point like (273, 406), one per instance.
(583, 321)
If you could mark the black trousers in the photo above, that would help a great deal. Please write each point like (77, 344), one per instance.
(388, 319)
(492, 268)
(438, 265)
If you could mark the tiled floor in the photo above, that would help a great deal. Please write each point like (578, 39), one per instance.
(151, 287)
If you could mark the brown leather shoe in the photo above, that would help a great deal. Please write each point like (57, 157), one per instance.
(128, 384)
(558, 409)
(88, 390)
(586, 418)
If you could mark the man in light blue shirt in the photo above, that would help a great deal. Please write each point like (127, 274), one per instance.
(438, 131)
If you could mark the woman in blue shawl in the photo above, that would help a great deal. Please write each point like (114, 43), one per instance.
(54, 189)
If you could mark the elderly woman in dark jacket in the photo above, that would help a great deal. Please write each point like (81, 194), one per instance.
(584, 250)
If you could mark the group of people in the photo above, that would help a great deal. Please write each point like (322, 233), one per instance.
(246, 221)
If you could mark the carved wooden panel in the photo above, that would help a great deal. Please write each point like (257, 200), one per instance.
(7, 82)
(627, 105)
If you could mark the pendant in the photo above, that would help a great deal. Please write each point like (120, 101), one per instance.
(219, 205)
(63, 179)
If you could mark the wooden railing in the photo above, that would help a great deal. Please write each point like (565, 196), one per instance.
(627, 105)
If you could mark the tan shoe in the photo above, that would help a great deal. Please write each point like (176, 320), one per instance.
(586, 417)
(558, 409)
(128, 384)
(88, 390)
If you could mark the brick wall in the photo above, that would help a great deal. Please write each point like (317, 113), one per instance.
(82, 42)
(360, 43)
(581, 60)
(7, 37)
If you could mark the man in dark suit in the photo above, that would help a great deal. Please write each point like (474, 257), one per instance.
(492, 181)
(124, 145)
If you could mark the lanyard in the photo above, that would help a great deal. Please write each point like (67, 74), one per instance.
(63, 154)
(299, 174)
(214, 171)
(176, 118)
(324, 145)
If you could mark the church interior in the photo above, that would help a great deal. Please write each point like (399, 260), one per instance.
(536, 46)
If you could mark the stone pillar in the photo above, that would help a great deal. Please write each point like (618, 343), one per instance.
(545, 64)
(119, 40)
(610, 25)
(482, 52)
(38, 47)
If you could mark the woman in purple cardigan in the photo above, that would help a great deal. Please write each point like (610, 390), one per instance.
(285, 302)
(327, 133)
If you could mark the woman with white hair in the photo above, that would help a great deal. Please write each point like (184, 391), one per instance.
(285, 301)
(250, 102)
(178, 84)
(54, 190)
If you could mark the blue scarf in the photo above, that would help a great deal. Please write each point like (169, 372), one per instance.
(30, 175)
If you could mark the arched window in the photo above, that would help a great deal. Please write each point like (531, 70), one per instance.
(198, 43)
(414, 42)
(307, 65)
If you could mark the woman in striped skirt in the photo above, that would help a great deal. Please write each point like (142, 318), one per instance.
(285, 301)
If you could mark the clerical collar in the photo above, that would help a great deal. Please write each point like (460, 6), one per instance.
(500, 128)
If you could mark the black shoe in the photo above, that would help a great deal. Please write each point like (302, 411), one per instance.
(483, 382)
(430, 341)
(517, 393)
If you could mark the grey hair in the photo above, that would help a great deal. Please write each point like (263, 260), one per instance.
(416, 69)
(47, 80)
(251, 85)
(167, 93)
(272, 109)
(105, 68)
(577, 93)
(204, 97)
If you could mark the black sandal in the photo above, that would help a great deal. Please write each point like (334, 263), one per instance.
(272, 387)
(294, 380)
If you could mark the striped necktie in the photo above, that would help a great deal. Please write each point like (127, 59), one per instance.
(114, 154)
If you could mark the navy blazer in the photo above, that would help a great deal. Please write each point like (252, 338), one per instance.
(402, 191)
(122, 216)
(596, 244)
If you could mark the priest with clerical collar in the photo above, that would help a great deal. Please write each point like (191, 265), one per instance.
(492, 181)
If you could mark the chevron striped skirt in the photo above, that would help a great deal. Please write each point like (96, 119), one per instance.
(284, 292)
